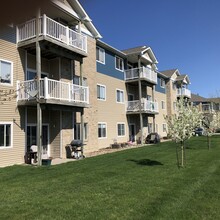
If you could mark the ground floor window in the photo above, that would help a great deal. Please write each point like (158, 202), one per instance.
(102, 130)
(5, 134)
(164, 128)
(121, 129)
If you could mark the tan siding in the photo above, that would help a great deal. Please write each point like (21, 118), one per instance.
(8, 109)
(110, 111)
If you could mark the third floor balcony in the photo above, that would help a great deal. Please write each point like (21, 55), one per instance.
(145, 73)
(183, 92)
(53, 32)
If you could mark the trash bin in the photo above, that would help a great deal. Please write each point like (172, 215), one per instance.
(27, 158)
(68, 151)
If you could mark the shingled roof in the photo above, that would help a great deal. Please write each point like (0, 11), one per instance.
(198, 98)
(169, 73)
(135, 50)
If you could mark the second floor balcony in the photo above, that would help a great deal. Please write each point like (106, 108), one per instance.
(146, 106)
(144, 73)
(183, 92)
(53, 31)
(53, 92)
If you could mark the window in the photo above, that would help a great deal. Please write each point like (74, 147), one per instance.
(5, 135)
(164, 128)
(119, 63)
(101, 92)
(6, 68)
(163, 105)
(102, 130)
(120, 96)
(77, 131)
(77, 80)
(100, 55)
(121, 129)
(162, 83)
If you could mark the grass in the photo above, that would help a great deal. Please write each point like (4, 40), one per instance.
(142, 183)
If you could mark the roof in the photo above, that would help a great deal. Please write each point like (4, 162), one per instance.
(135, 50)
(183, 78)
(198, 98)
(215, 100)
(110, 48)
(169, 73)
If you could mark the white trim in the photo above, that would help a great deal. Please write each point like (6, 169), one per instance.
(105, 130)
(11, 141)
(12, 73)
(104, 94)
(121, 70)
(123, 102)
(103, 53)
(120, 123)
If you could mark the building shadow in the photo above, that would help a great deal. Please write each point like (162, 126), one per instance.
(146, 162)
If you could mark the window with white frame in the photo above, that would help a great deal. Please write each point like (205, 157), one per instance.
(121, 129)
(6, 72)
(100, 55)
(163, 106)
(77, 131)
(101, 92)
(102, 130)
(162, 83)
(119, 63)
(5, 134)
(120, 96)
(164, 127)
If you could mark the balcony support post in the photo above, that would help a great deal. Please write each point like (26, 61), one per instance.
(82, 126)
(140, 95)
(44, 25)
(46, 88)
(39, 111)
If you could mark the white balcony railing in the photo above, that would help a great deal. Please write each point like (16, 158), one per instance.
(53, 89)
(145, 73)
(146, 106)
(183, 92)
(52, 29)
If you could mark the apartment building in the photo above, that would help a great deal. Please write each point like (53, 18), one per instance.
(176, 87)
(46, 60)
(58, 79)
(206, 105)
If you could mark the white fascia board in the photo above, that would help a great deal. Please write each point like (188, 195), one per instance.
(66, 8)
(84, 17)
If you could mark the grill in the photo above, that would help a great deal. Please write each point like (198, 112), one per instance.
(75, 149)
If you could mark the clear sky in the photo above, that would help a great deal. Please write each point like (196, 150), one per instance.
(183, 34)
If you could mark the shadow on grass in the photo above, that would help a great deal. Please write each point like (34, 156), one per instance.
(147, 162)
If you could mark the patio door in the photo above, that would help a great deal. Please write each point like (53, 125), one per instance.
(32, 138)
(132, 132)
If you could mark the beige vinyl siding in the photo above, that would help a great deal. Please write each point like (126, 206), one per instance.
(110, 111)
(8, 109)
(159, 118)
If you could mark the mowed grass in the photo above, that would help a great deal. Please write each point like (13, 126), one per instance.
(142, 183)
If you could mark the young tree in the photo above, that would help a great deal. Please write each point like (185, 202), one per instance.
(210, 123)
(182, 125)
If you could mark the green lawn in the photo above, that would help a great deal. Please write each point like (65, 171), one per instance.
(142, 183)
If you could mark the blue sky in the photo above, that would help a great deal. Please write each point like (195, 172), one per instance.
(183, 34)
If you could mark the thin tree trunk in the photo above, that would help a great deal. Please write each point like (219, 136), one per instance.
(182, 154)
(177, 156)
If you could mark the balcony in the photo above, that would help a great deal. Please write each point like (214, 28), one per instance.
(146, 106)
(51, 30)
(183, 92)
(145, 74)
(53, 92)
